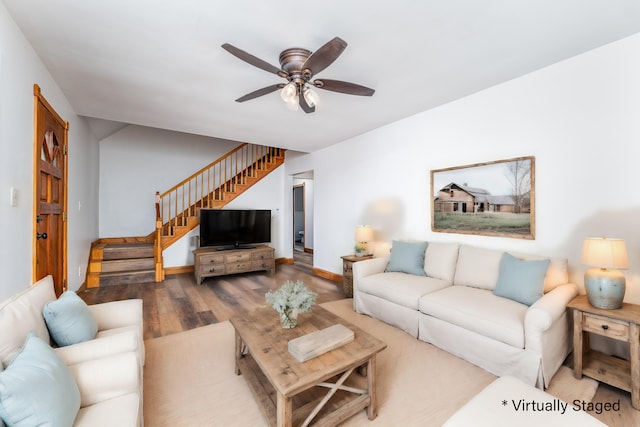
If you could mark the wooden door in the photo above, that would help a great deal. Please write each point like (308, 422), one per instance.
(50, 193)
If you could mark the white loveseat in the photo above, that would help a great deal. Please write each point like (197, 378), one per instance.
(453, 307)
(107, 370)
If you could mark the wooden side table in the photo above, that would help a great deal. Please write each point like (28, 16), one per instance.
(347, 272)
(621, 324)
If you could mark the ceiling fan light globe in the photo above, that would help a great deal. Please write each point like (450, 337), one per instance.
(289, 92)
(310, 96)
(292, 104)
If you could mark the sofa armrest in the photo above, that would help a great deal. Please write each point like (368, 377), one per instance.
(117, 314)
(368, 267)
(124, 342)
(544, 312)
(107, 378)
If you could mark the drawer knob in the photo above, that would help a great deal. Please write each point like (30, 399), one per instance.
(212, 270)
(605, 327)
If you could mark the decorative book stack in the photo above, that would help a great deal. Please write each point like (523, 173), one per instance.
(319, 342)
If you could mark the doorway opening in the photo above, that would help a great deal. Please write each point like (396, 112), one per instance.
(298, 218)
(302, 224)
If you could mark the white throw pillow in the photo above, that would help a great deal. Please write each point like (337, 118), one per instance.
(440, 260)
(478, 267)
(21, 314)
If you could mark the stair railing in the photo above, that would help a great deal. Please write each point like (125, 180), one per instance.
(157, 243)
(203, 188)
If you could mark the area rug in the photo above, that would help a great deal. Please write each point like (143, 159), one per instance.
(189, 379)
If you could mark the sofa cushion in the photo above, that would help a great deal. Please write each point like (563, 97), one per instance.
(557, 274)
(521, 280)
(23, 313)
(69, 320)
(478, 310)
(121, 411)
(477, 267)
(407, 257)
(440, 260)
(37, 388)
(400, 288)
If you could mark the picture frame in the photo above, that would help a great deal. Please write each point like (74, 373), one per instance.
(491, 199)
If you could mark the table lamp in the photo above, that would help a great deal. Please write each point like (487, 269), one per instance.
(605, 285)
(364, 234)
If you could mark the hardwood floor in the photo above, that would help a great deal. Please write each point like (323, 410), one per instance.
(178, 304)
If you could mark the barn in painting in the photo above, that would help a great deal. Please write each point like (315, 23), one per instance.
(465, 199)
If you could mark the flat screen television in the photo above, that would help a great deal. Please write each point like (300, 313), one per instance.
(234, 228)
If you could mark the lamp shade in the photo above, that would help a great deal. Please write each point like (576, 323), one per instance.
(364, 233)
(605, 253)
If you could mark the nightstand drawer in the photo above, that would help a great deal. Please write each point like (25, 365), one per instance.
(604, 326)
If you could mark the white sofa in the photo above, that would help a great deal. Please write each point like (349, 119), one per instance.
(453, 307)
(107, 369)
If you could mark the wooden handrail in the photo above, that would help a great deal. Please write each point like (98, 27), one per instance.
(209, 184)
(200, 172)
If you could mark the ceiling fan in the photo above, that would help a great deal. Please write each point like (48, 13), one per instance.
(299, 66)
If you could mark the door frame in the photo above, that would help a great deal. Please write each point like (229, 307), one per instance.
(39, 98)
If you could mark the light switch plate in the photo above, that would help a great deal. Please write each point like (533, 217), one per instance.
(13, 196)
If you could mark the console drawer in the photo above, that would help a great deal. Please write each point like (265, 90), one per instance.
(211, 269)
(232, 258)
(263, 255)
(238, 267)
(262, 265)
(211, 259)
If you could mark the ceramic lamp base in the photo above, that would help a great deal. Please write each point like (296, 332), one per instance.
(605, 288)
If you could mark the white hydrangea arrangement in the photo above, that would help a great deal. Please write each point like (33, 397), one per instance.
(290, 299)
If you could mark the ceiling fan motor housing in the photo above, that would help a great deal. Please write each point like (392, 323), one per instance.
(292, 61)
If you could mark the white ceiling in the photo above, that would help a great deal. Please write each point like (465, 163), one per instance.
(159, 63)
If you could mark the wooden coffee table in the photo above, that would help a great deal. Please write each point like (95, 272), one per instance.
(321, 390)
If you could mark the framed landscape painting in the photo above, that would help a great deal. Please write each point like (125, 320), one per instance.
(493, 198)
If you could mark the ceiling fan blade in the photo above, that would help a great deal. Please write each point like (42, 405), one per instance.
(260, 92)
(303, 104)
(250, 59)
(343, 87)
(323, 57)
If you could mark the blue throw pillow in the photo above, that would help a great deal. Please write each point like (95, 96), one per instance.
(407, 257)
(38, 389)
(69, 320)
(521, 280)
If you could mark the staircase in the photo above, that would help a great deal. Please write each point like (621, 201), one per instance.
(139, 259)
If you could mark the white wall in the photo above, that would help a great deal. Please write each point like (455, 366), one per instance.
(20, 68)
(579, 118)
(137, 161)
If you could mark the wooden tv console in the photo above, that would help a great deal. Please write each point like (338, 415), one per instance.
(214, 262)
